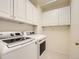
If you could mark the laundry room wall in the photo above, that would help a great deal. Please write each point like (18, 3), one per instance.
(14, 26)
(58, 41)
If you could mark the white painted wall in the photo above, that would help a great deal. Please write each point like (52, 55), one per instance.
(58, 41)
(13, 26)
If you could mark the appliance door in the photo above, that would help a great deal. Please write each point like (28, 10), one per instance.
(28, 51)
(42, 46)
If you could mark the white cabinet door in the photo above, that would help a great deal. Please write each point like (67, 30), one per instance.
(74, 30)
(32, 13)
(19, 10)
(55, 17)
(64, 16)
(29, 12)
(50, 18)
(35, 15)
(6, 8)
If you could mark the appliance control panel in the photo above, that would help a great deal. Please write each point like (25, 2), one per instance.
(4, 35)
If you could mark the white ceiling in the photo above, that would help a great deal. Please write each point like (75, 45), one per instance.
(50, 4)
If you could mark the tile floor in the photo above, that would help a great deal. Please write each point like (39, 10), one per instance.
(49, 55)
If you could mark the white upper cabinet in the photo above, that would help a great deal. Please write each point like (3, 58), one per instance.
(55, 17)
(6, 8)
(19, 10)
(36, 15)
(64, 16)
(32, 13)
(29, 12)
(50, 18)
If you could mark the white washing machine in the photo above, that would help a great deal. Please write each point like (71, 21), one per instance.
(17, 47)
